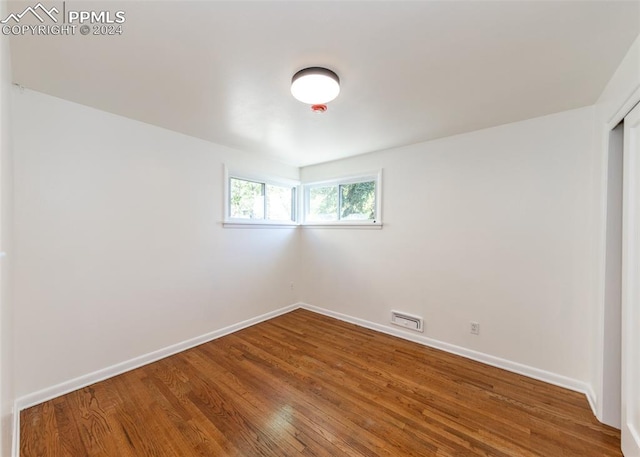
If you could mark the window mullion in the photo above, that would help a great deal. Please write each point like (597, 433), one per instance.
(293, 204)
(264, 201)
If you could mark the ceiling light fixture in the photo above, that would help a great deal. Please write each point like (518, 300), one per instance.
(315, 85)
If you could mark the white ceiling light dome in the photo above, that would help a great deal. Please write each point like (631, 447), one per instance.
(315, 85)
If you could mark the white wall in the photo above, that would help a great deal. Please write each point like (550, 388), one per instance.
(494, 226)
(6, 304)
(617, 99)
(119, 245)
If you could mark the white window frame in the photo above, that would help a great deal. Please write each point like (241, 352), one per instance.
(375, 176)
(261, 179)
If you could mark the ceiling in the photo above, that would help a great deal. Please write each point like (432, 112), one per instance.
(410, 71)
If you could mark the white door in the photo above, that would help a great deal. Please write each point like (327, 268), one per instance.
(631, 287)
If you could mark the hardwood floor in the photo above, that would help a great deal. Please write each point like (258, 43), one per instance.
(305, 384)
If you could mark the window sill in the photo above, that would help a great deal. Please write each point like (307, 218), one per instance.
(344, 225)
(326, 225)
(260, 224)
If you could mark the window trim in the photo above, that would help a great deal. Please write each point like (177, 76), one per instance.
(375, 176)
(229, 221)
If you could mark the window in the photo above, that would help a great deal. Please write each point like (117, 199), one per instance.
(265, 201)
(256, 200)
(348, 201)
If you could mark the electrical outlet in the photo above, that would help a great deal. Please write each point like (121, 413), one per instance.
(475, 328)
(291, 285)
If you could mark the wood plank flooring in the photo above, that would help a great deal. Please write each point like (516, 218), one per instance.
(303, 384)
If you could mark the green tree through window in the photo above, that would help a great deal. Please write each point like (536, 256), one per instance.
(247, 199)
(323, 203)
(358, 200)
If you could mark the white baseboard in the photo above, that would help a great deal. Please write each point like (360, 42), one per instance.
(592, 399)
(15, 433)
(630, 440)
(43, 395)
(525, 370)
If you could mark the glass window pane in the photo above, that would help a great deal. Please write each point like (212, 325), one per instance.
(247, 199)
(323, 204)
(279, 203)
(358, 201)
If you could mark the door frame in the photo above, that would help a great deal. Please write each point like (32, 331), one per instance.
(630, 375)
